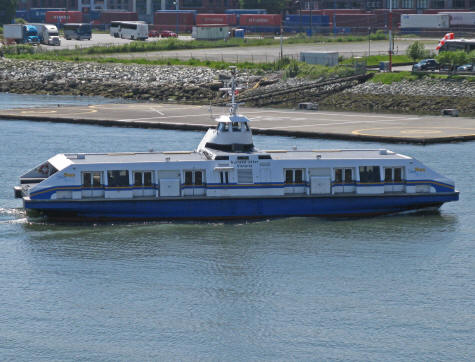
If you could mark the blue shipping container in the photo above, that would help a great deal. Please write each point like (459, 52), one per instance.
(23, 14)
(262, 29)
(305, 19)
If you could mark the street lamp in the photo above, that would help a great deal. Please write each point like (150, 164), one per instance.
(177, 7)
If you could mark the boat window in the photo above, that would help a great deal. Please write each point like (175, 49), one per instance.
(393, 174)
(236, 127)
(198, 178)
(264, 157)
(188, 178)
(369, 174)
(246, 126)
(147, 178)
(294, 176)
(298, 176)
(225, 127)
(138, 179)
(344, 175)
(118, 178)
(338, 175)
(288, 176)
(143, 178)
(243, 158)
(87, 179)
(193, 178)
(348, 175)
(91, 179)
(224, 176)
(96, 179)
(398, 174)
(220, 126)
(388, 174)
(221, 158)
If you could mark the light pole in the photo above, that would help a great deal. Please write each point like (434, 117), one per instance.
(177, 7)
(390, 35)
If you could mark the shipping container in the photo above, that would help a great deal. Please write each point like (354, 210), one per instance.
(329, 59)
(245, 11)
(424, 21)
(108, 16)
(181, 21)
(305, 19)
(61, 17)
(211, 32)
(360, 20)
(228, 19)
(265, 20)
(22, 14)
(38, 15)
(461, 18)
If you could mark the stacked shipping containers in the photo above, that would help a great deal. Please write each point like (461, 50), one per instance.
(62, 17)
(181, 20)
(260, 23)
(206, 19)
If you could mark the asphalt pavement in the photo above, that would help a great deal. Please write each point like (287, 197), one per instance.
(293, 123)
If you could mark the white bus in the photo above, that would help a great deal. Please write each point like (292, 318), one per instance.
(134, 30)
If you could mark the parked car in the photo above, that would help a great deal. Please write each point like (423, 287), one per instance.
(426, 64)
(153, 34)
(168, 34)
(465, 68)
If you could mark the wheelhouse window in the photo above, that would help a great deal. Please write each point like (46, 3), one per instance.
(118, 178)
(92, 179)
(193, 178)
(370, 174)
(294, 176)
(143, 178)
(223, 127)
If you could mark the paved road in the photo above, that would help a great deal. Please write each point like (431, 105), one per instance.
(254, 54)
(317, 124)
(271, 53)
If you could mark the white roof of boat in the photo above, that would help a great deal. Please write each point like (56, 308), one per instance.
(192, 156)
(230, 118)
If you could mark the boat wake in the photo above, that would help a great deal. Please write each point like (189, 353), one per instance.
(12, 216)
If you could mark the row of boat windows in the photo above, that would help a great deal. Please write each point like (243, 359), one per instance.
(235, 127)
(118, 178)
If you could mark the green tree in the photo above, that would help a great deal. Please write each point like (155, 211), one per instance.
(7, 11)
(453, 59)
(416, 51)
(272, 6)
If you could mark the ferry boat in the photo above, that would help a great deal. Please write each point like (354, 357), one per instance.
(227, 177)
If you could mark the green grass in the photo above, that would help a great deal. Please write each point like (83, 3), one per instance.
(376, 59)
(388, 78)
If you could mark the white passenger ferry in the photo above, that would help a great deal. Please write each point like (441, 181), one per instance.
(226, 177)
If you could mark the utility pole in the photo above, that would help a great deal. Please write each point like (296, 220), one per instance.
(390, 35)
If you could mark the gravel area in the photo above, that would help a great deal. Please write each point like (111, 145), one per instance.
(426, 87)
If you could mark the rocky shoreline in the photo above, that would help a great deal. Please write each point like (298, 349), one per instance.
(202, 85)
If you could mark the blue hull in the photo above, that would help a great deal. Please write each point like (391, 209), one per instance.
(236, 208)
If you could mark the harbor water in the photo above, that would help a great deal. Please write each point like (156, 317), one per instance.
(387, 288)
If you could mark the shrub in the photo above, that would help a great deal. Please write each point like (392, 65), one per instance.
(417, 51)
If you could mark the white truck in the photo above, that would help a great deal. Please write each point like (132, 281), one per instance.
(20, 34)
(48, 34)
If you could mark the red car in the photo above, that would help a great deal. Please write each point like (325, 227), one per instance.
(153, 34)
(168, 34)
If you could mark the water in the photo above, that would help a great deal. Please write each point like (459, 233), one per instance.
(386, 288)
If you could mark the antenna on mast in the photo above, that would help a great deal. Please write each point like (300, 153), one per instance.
(232, 91)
